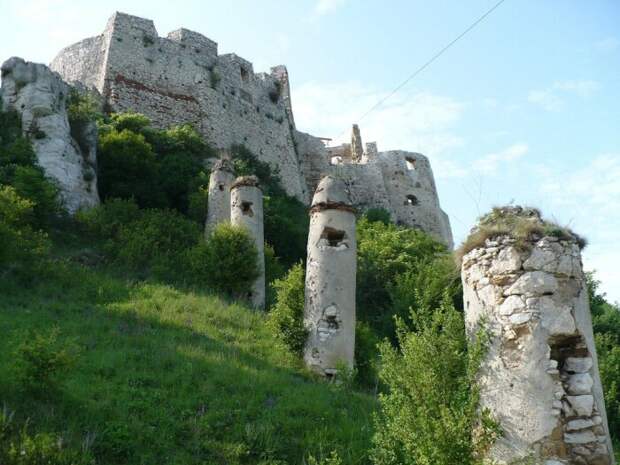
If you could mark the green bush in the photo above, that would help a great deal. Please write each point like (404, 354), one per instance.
(385, 252)
(366, 360)
(41, 360)
(380, 215)
(286, 316)
(227, 262)
(430, 413)
(128, 169)
(156, 241)
(21, 246)
(105, 220)
(19, 169)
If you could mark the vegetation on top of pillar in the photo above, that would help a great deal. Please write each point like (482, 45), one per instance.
(524, 224)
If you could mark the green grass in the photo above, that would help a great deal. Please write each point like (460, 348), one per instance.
(171, 376)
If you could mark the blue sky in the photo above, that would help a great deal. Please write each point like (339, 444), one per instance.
(524, 109)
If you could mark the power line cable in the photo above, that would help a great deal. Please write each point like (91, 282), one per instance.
(431, 60)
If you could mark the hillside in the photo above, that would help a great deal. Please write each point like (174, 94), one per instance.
(167, 375)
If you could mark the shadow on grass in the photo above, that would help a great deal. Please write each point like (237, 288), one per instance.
(174, 376)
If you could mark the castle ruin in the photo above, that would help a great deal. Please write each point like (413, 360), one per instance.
(540, 377)
(181, 78)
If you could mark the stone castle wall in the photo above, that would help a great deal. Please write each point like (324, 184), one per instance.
(182, 79)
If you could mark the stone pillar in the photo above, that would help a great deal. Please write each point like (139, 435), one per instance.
(329, 313)
(246, 210)
(540, 376)
(221, 179)
(357, 148)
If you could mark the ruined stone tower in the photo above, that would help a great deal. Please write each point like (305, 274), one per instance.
(540, 377)
(246, 210)
(220, 181)
(329, 313)
(357, 149)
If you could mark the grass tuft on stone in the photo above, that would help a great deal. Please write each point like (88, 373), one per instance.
(524, 224)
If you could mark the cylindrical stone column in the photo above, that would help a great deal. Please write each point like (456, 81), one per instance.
(246, 210)
(539, 378)
(329, 313)
(218, 210)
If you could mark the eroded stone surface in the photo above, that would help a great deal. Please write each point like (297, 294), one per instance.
(40, 97)
(329, 312)
(540, 378)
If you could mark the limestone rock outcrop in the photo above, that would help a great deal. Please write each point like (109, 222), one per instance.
(246, 210)
(540, 377)
(329, 312)
(40, 96)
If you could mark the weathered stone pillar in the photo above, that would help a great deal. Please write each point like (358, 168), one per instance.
(221, 179)
(246, 210)
(357, 148)
(540, 376)
(329, 314)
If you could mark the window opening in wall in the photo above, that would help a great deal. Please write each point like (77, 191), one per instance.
(410, 163)
(245, 75)
(246, 208)
(412, 200)
(221, 187)
(334, 236)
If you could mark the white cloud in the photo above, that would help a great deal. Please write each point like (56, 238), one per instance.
(490, 163)
(553, 97)
(323, 7)
(589, 196)
(417, 121)
(607, 45)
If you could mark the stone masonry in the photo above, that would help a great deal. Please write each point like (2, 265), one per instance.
(246, 210)
(220, 181)
(181, 78)
(540, 378)
(329, 313)
(39, 96)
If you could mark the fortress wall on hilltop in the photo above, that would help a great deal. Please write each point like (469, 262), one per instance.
(182, 79)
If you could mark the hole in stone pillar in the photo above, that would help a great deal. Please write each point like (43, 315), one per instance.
(334, 236)
(412, 200)
(410, 163)
(563, 347)
(246, 208)
(221, 187)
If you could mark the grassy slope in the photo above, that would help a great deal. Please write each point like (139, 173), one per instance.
(172, 376)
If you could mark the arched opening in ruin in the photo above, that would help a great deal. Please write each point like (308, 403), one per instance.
(221, 187)
(411, 200)
(246, 208)
(334, 237)
(410, 163)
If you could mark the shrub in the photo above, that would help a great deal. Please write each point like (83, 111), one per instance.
(156, 241)
(430, 412)
(384, 253)
(21, 246)
(105, 220)
(41, 359)
(366, 363)
(226, 262)
(286, 316)
(378, 215)
(128, 168)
